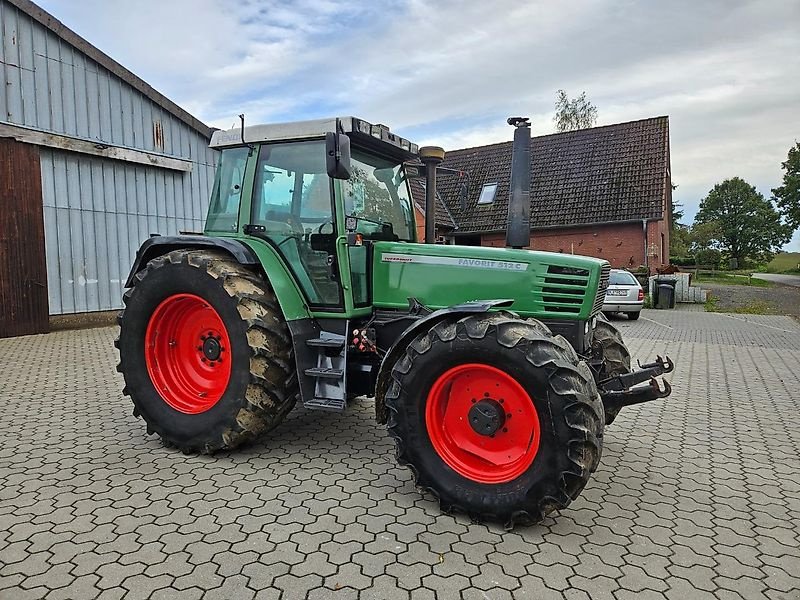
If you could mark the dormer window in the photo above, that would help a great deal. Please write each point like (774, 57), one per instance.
(488, 192)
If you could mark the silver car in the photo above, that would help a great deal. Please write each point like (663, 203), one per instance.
(624, 295)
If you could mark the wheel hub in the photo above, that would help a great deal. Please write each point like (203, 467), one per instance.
(212, 348)
(486, 417)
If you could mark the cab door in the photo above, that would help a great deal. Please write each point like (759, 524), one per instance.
(292, 208)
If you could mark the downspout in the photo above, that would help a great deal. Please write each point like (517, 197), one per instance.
(644, 233)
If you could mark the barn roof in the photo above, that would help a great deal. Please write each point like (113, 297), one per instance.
(65, 33)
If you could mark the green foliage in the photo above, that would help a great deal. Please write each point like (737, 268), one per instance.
(675, 211)
(711, 302)
(680, 240)
(682, 261)
(708, 257)
(784, 262)
(754, 307)
(702, 235)
(787, 196)
(741, 222)
(577, 113)
(731, 279)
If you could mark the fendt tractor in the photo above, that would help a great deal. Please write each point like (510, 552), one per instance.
(492, 368)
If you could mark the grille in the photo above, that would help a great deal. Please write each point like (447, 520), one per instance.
(564, 289)
(601, 290)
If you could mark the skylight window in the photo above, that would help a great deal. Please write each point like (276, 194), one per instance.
(487, 193)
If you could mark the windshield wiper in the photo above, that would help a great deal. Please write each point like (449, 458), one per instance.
(382, 224)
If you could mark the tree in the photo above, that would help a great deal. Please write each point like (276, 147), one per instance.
(702, 235)
(680, 240)
(741, 222)
(787, 196)
(577, 113)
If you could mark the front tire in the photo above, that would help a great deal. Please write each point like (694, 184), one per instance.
(616, 357)
(205, 352)
(514, 469)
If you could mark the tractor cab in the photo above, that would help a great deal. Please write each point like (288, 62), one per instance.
(315, 192)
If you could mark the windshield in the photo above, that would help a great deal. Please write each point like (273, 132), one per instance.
(377, 193)
(622, 278)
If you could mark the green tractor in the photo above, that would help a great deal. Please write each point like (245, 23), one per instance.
(309, 284)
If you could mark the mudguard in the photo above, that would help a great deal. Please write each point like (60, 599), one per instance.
(161, 244)
(423, 324)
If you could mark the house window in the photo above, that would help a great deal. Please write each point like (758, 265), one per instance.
(487, 193)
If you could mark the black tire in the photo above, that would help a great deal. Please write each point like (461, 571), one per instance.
(564, 395)
(616, 357)
(262, 387)
(633, 316)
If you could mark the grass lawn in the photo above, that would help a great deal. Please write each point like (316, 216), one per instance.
(785, 262)
(730, 279)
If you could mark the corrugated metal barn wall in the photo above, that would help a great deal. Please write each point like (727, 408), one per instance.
(97, 210)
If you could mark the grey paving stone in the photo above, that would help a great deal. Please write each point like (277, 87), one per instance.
(697, 496)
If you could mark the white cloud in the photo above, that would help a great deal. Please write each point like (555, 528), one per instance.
(450, 72)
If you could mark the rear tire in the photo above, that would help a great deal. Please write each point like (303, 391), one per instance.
(633, 316)
(550, 392)
(616, 357)
(185, 398)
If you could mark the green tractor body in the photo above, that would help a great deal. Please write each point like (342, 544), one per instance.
(309, 284)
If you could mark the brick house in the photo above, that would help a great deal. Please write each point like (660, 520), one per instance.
(445, 222)
(604, 192)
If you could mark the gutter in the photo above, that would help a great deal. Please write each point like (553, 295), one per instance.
(569, 226)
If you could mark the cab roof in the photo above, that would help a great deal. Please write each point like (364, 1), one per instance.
(362, 133)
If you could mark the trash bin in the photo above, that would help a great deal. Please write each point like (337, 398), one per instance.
(665, 296)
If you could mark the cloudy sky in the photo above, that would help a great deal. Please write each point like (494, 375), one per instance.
(449, 72)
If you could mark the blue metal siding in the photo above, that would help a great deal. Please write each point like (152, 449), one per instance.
(96, 211)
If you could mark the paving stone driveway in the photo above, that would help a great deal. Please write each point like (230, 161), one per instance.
(696, 497)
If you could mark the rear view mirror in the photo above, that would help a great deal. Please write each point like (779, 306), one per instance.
(337, 155)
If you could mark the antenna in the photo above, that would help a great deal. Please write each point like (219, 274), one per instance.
(251, 146)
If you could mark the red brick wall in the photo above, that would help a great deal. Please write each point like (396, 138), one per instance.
(622, 244)
(420, 219)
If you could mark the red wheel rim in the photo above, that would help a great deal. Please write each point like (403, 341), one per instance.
(187, 353)
(465, 393)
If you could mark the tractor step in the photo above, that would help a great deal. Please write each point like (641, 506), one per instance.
(325, 343)
(325, 372)
(329, 404)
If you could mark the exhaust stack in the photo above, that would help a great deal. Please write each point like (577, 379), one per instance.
(518, 228)
(431, 157)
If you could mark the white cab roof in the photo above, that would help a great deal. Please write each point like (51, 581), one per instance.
(317, 128)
